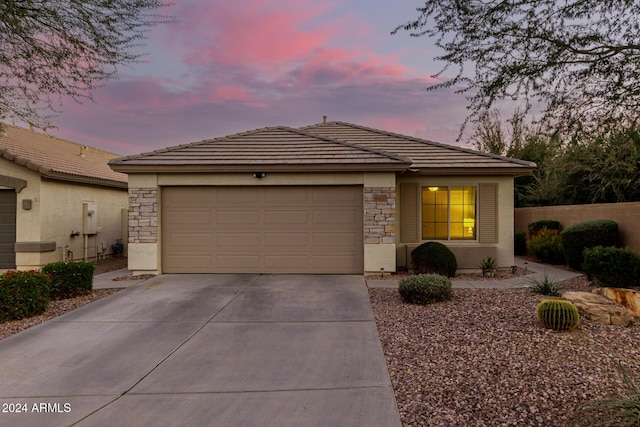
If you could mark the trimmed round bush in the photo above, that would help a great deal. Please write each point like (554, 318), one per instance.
(69, 279)
(546, 246)
(558, 314)
(588, 234)
(425, 289)
(23, 294)
(434, 257)
(614, 267)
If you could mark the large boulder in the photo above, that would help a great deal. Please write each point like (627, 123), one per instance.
(599, 309)
(627, 298)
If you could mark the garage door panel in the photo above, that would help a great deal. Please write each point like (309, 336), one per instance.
(286, 263)
(190, 196)
(287, 196)
(264, 229)
(189, 264)
(237, 240)
(236, 262)
(336, 196)
(188, 240)
(239, 196)
(238, 217)
(329, 218)
(336, 240)
(286, 217)
(188, 217)
(286, 240)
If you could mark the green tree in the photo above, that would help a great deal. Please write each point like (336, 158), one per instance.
(579, 58)
(520, 140)
(602, 168)
(50, 49)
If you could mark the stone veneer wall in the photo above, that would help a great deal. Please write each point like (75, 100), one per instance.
(143, 215)
(379, 215)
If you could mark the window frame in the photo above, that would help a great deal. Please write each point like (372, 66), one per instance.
(423, 187)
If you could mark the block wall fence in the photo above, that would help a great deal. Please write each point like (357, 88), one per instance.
(627, 215)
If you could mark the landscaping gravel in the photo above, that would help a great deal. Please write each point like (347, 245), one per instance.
(481, 359)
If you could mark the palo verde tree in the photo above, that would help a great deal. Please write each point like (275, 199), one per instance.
(580, 59)
(51, 49)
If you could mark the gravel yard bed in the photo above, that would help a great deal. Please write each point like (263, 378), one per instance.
(59, 307)
(55, 309)
(481, 359)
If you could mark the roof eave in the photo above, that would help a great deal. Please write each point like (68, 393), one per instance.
(284, 168)
(79, 179)
(467, 171)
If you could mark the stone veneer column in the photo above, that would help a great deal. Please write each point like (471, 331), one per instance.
(379, 215)
(143, 215)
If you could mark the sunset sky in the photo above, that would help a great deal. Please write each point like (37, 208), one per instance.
(231, 66)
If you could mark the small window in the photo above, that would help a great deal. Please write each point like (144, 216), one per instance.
(448, 213)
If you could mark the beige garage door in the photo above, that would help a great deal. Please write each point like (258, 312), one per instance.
(284, 229)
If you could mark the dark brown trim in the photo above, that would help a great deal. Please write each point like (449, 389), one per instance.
(298, 168)
(35, 246)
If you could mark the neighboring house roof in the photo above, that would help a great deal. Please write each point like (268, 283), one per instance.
(59, 159)
(427, 156)
(269, 149)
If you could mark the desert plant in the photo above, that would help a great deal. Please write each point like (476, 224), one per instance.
(611, 266)
(434, 257)
(23, 294)
(520, 243)
(488, 266)
(535, 227)
(544, 287)
(69, 279)
(558, 314)
(588, 234)
(425, 289)
(623, 411)
(546, 245)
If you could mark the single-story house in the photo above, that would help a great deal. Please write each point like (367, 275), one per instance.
(328, 198)
(59, 200)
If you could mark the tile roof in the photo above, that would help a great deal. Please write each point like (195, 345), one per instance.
(425, 155)
(272, 148)
(59, 159)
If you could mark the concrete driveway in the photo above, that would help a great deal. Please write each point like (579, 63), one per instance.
(205, 350)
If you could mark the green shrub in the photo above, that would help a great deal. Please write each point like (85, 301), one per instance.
(546, 246)
(23, 294)
(544, 287)
(520, 243)
(69, 279)
(558, 314)
(615, 267)
(434, 257)
(535, 227)
(578, 237)
(425, 289)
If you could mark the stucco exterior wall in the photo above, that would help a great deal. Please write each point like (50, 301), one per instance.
(470, 252)
(61, 213)
(56, 210)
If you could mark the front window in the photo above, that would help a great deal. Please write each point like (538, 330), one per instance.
(448, 213)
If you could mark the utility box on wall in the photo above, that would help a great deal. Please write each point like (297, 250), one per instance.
(89, 218)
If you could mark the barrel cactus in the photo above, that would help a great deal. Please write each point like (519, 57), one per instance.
(558, 314)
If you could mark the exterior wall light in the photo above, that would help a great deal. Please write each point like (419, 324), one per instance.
(259, 175)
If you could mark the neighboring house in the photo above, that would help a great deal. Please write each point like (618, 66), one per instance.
(58, 200)
(328, 198)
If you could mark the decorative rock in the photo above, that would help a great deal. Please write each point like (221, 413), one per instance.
(599, 309)
(625, 297)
